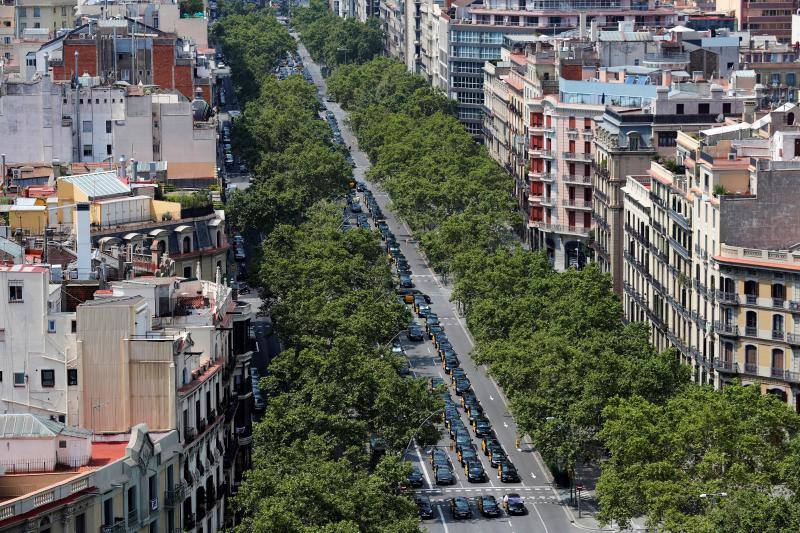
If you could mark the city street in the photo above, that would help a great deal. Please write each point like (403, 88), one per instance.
(546, 511)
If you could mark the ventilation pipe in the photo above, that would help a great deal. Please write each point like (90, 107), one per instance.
(83, 241)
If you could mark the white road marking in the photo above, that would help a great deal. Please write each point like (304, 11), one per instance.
(444, 523)
(491, 397)
(533, 475)
(505, 424)
(540, 517)
(422, 465)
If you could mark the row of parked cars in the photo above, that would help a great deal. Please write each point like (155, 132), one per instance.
(461, 439)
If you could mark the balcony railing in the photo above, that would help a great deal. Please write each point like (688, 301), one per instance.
(726, 329)
(133, 517)
(751, 368)
(189, 434)
(578, 204)
(725, 366)
(679, 218)
(189, 521)
(580, 180)
(547, 200)
(793, 339)
(667, 57)
(576, 156)
(751, 299)
(779, 303)
(786, 375)
(174, 497)
(778, 334)
(561, 228)
(726, 297)
(751, 331)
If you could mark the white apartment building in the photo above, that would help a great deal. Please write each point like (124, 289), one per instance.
(37, 344)
(42, 121)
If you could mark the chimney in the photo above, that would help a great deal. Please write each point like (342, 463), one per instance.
(749, 114)
(56, 169)
(582, 25)
(83, 241)
(122, 169)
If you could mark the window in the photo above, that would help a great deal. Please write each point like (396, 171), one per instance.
(63, 11)
(469, 98)
(48, 378)
(633, 141)
(15, 291)
(80, 520)
(30, 61)
(36, 12)
(19, 379)
(23, 12)
(187, 272)
(703, 109)
(87, 150)
(74, 326)
(667, 138)
(726, 108)
(108, 126)
(465, 82)
(679, 109)
(87, 126)
(2, 335)
(51, 326)
(72, 377)
(775, 79)
(791, 79)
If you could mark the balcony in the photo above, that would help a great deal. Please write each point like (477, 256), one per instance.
(725, 366)
(576, 156)
(576, 204)
(572, 133)
(189, 521)
(793, 339)
(751, 299)
(681, 249)
(117, 526)
(540, 128)
(750, 331)
(662, 59)
(681, 220)
(133, 518)
(722, 328)
(588, 133)
(751, 368)
(700, 252)
(778, 303)
(547, 177)
(602, 172)
(727, 297)
(578, 180)
(174, 497)
(786, 375)
(778, 334)
(548, 201)
(189, 434)
(561, 228)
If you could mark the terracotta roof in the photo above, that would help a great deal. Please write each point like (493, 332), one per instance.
(515, 84)
(757, 263)
(519, 59)
(191, 170)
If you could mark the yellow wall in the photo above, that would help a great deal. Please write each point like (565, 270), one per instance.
(33, 222)
(160, 208)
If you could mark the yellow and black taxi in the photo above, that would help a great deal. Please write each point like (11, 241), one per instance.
(488, 507)
(507, 472)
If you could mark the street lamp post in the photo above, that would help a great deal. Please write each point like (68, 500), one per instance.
(343, 49)
(393, 338)
(414, 433)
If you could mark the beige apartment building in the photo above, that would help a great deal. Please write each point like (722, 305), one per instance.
(705, 266)
(52, 15)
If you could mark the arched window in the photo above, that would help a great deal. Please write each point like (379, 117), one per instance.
(778, 291)
(777, 326)
(633, 141)
(777, 361)
(790, 119)
(750, 359)
(185, 376)
(727, 352)
(187, 244)
(219, 239)
(751, 291)
(751, 324)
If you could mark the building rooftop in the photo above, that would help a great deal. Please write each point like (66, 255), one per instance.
(98, 185)
(28, 425)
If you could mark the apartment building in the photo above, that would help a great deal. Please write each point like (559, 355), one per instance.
(51, 15)
(64, 479)
(775, 66)
(467, 34)
(42, 120)
(704, 265)
(627, 139)
(773, 18)
(7, 30)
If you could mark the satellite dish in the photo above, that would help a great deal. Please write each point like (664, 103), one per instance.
(720, 117)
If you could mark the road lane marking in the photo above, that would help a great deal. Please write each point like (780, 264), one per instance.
(540, 517)
(422, 464)
(441, 515)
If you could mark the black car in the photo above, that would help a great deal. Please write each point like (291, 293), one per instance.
(474, 412)
(496, 457)
(415, 333)
(433, 330)
(490, 444)
(423, 310)
(487, 505)
(475, 472)
(514, 504)
(450, 364)
(482, 426)
(432, 319)
(433, 383)
(424, 505)
(460, 508)
(462, 438)
(438, 457)
(463, 448)
(359, 186)
(468, 455)
(508, 472)
(444, 348)
(415, 477)
(444, 476)
(462, 386)
(405, 281)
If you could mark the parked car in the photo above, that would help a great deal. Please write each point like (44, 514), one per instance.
(460, 508)
(424, 505)
(514, 504)
(487, 505)
(508, 472)
(475, 472)
(415, 478)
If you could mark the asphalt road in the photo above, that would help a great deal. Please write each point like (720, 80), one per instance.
(545, 510)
